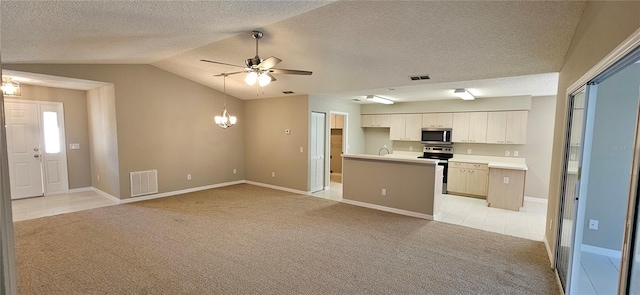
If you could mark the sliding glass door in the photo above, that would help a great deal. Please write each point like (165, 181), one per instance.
(570, 186)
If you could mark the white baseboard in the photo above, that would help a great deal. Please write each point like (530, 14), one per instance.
(281, 188)
(551, 256)
(601, 251)
(535, 200)
(388, 209)
(179, 192)
(106, 195)
(81, 189)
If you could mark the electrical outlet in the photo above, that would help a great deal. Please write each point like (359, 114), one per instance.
(384, 191)
(411, 148)
(273, 174)
(593, 224)
(507, 153)
(98, 176)
(505, 180)
(384, 146)
(235, 171)
(550, 223)
(515, 153)
(301, 150)
(469, 151)
(188, 176)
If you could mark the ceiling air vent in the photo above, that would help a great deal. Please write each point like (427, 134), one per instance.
(418, 78)
(287, 92)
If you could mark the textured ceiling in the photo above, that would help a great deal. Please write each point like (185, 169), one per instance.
(353, 47)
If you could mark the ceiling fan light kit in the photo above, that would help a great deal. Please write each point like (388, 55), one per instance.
(464, 94)
(379, 99)
(259, 70)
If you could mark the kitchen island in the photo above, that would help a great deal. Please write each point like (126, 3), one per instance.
(402, 185)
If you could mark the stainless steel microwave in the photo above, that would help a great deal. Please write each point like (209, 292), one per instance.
(436, 136)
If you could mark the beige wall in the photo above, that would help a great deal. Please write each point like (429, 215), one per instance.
(539, 144)
(406, 184)
(165, 122)
(103, 135)
(603, 26)
(268, 149)
(76, 128)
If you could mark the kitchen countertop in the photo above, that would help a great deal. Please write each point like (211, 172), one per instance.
(511, 163)
(393, 158)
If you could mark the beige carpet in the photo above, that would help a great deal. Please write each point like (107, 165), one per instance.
(250, 240)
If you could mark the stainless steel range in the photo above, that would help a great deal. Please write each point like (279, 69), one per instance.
(442, 154)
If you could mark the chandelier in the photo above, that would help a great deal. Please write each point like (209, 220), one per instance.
(10, 87)
(226, 120)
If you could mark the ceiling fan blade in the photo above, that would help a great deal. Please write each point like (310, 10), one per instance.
(290, 72)
(229, 74)
(269, 63)
(221, 63)
(273, 79)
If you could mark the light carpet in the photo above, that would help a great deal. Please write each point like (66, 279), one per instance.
(246, 239)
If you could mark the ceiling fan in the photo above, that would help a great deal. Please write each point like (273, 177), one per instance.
(258, 69)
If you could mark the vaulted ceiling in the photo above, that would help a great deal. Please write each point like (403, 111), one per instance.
(353, 47)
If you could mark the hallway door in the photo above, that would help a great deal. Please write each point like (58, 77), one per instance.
(316, 152)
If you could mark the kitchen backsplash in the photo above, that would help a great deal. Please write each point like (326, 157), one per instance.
(496, 150)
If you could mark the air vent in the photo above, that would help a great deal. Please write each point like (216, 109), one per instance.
(144, 182)
(418, 78)
(287, 92)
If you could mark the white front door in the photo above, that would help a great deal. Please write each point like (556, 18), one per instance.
(316, 152)
(36, 148)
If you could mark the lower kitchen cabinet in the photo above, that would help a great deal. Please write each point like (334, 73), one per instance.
(467, 179)
(506, 188)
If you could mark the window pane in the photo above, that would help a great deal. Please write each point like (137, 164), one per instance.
(51, 132)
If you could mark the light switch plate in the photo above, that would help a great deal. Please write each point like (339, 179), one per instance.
(515, 153)
(384, 191)
(505, 180)
(507, 153)
(469, 151)
(74, 146)
(593, 224)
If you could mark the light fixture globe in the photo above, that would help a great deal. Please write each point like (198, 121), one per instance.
(251, 78)
(264, 79)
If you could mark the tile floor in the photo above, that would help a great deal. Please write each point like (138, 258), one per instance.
(598, 274)
(31, 208)
(529, 223)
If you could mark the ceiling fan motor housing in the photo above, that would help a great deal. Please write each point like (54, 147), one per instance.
(253, 62)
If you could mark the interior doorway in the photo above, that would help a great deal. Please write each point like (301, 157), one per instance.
(36, 148)
(336, 147)
(316, 152)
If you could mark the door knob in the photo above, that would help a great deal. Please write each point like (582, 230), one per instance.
(36, 156)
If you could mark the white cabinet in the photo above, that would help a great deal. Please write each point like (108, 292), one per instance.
(469, 127)
(406, 127)
(468, 178)
(437, 120)
(507, 127)
(375, 121)
(337, 121)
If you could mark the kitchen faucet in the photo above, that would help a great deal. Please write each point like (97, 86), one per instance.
(383, 148)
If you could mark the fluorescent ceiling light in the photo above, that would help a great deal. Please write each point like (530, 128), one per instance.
(464, 94)
(379, 99)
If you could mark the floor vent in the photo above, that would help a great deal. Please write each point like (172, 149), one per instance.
(144, 183)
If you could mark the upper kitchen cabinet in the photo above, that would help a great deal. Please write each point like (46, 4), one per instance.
(375, 121)
(507, 127)
(469, 127)
(437, 120)
(406, 127)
